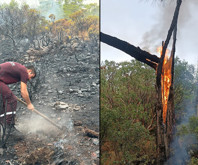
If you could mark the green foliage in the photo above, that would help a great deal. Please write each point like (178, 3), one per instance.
(72, 6)
(92, 9)
(184, 78)
(190, 128)
(84, 25)
(182, 130)
(193, 161)
(13, 4)
(19, 24)
(83, 19)
(184, 85)
(185, 100)
(127, 109)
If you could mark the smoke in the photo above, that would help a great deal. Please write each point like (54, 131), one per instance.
(181, 144)
(37, 125)
(186, 30)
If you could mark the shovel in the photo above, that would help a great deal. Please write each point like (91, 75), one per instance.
(39, 113)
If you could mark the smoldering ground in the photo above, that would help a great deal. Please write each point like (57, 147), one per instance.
(35, 124)
(61, 77)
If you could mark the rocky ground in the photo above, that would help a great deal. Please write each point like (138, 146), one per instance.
(66, 90)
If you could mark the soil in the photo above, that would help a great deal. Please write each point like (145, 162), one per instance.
(66, 90)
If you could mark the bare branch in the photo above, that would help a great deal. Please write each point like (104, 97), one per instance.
(136, 52)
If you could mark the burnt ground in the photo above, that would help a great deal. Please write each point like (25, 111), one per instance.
(66, 90)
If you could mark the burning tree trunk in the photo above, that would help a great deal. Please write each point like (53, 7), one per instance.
(165, 107)
(164, 67)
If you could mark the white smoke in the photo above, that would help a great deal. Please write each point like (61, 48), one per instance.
(37, 125)
(186, 29)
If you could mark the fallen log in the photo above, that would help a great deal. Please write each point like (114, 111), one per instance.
(91, 133)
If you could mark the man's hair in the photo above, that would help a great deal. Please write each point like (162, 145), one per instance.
(31, 67)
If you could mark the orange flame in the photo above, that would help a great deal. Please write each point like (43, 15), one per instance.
(159, 50)
(166, 79)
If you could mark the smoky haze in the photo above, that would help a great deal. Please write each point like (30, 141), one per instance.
(186, 29)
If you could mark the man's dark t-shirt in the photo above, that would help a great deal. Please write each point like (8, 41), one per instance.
(12, 72)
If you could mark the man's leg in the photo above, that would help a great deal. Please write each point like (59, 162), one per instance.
(9, 105)
(7, 115)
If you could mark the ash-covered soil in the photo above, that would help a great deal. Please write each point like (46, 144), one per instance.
(66, 90)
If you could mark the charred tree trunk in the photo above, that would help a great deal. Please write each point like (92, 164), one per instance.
(165, 120)
(136, 52)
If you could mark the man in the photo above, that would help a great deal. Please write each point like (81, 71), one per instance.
(12, 72)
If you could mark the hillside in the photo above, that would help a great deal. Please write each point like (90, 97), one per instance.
(66, 90)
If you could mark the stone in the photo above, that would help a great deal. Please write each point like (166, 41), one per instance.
(1, 151)
(76, 108)
(93, 84)
(62, 107)
(77, 123)
(80, 95)
(95, 141)
(60, 92)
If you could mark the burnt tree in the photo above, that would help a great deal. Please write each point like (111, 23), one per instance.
(164, 68)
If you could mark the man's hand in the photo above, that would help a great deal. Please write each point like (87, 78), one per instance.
(25, 95)
(30, 107)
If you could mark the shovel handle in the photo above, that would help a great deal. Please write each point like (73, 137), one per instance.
(39, 113)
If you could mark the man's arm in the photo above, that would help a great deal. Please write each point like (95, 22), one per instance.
(25, 95)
